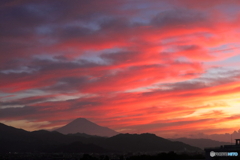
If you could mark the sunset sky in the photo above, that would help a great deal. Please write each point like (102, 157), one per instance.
(169, 67)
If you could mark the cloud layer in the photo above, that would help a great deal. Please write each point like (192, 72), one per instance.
(149, 66)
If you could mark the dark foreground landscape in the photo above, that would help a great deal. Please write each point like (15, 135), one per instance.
(18, 144)
(84, 140)
(79, 156)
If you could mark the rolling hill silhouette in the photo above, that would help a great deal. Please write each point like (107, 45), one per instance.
(82, 125)
(12, 139)
(18, 140)
(201, 143)
(144, 142)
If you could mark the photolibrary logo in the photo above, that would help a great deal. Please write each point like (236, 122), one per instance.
(213, 154)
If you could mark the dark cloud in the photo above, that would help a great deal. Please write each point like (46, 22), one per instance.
(48, 64)
(165, 124)
(17, 112)
(45, 109)
(187, 85)
(122, 57)
(74, 32)
(68, 84)
(202, 82)
(18, 21)
(48, 72)
(188, 47)
(179, 18)
(25, 101)
(113, 24)
(27, 24)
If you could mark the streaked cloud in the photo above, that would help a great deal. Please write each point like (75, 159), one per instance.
(146, 66)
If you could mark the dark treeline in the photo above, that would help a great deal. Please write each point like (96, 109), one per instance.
(166, 156)
(74, 156)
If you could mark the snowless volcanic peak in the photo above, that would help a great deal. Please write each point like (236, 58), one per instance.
(82, 125)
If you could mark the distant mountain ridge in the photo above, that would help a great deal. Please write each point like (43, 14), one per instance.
(144, 142)
(18, 140)
(201, 143)
(82, 125)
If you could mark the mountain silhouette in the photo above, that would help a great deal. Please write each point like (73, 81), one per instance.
(202, 143)
(144, 142)
(18, 140)
(82, 125)
(13, 140)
